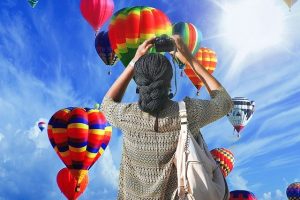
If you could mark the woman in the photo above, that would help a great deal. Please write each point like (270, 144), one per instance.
(151, 127)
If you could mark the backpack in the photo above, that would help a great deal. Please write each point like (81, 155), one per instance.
(199, 176)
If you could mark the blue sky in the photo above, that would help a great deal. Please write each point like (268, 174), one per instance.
(48, 62)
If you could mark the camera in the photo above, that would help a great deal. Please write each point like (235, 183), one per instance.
(164, 43)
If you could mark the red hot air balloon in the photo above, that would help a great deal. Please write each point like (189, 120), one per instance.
(68, 185)
(224, 158)
(96, 12)
(242, 195)
(79, 136)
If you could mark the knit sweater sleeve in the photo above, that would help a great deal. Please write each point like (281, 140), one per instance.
(113, 111)
(202, 112)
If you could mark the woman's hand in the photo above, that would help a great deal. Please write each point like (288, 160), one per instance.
(143, 49)
(183, 53)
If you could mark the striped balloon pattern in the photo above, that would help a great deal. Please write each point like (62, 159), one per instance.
(33, 3)
(208, 59)
(104, 50)
(293, 191)
(224, 158)
(79, 136)
(242, 195)
(131, 26)
(190, 35)
(241, 112)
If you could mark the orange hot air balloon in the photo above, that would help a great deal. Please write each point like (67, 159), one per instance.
(79, 136)
(129, 27)
(68, 184)
(208, 59)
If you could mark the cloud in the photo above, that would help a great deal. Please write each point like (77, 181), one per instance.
(107, 169)
(40, 138)
(1, 137)
(237, 181)
(277, 195)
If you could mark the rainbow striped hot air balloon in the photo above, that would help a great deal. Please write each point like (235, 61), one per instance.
(208, 59)
(79, 136)
(131, 26)
(293, 191)
(190, 35)
(242, 195)
(224, 158)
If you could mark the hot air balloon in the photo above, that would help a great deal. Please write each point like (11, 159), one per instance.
(104, 50)
(131, 26)
(293, 191)
(290, 3)
(241, 113)
(191, 36)
(96, 12)
(242, 195)
(224, 158)
(33, 3)
(208, 59)
(97, 106)
(79, 136)
(42, 125)
(68, 185)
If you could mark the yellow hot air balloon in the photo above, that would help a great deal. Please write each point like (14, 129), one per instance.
(290, 3)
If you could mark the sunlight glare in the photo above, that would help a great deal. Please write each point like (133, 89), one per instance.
(253, 25)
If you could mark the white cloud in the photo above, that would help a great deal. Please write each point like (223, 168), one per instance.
(107, 169)
(237, 181)
(277, 195)
(267, 196)
(1, 137)
(40, 138)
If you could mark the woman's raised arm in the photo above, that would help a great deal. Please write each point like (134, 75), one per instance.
(186, 57)
(117, 90)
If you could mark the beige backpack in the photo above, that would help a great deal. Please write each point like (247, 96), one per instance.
(199, 176)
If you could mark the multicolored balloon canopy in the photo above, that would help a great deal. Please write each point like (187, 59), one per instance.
(190, 35)
(68, 184)
(104, 50)
(42, 125)
(131, 26)
(224, 158)
(241, 112)
(96, 12)
(207, 58)
(242, 195)
(293, 191)
(33, 3)
(79, 136)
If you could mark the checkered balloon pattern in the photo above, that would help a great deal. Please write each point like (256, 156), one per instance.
(224, 158)
(293, 191)
(242, 195)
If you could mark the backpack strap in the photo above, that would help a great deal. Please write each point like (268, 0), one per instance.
(183, 115)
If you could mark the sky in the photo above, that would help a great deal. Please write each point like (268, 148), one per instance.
(48, 62)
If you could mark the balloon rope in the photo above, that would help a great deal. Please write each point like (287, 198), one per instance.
(175, 71)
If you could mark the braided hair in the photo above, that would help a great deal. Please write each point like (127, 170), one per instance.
(153, 74)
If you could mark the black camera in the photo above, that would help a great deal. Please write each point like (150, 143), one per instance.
(164, 43)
